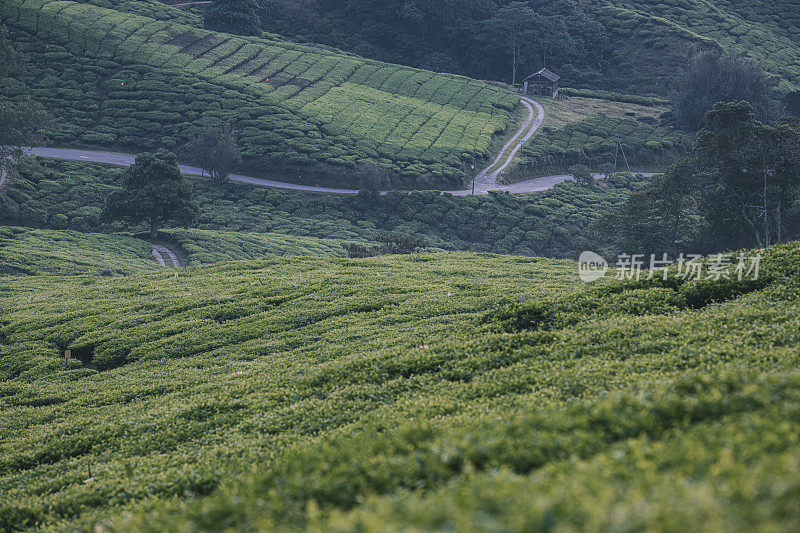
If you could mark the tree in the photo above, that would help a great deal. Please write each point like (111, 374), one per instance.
(712, 77)
(512, 28)
(214, 150)
(239, 17)
(372, 179)
(155, 192)
(791, 103)
(752, 169)
(583, 176)
(661, 218)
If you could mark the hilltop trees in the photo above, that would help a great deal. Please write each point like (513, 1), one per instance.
(752, 169)
(154, 192)
(714, 77)
(739, 188)
(239, 17)
(511, 29)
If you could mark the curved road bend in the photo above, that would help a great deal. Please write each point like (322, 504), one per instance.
(487, 180)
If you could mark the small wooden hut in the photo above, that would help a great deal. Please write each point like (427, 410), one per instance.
(543, 83)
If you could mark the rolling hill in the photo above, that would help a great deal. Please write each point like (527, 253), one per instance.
(118, 79)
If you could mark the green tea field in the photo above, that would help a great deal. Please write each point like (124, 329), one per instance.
(116, 79)
(445, 391)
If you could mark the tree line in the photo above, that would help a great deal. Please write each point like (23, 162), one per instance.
(488, 39)
(739, 188)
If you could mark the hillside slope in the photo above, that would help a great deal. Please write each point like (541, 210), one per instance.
(768, 31)
(115, 79)
(428, 390)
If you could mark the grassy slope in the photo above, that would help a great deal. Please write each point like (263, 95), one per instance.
(374, 392)
(118, 79)
(34, 251)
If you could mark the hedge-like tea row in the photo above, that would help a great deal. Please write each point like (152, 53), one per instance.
(115, 79)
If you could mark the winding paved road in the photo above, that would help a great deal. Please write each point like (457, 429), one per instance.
(485, 181)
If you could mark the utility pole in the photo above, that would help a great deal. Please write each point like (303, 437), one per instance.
(616, 155)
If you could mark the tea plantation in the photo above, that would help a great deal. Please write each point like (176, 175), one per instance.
(451, 391)
(117, 79)
(768, 31)
(35, 252)
(585, 130)
(69, 195)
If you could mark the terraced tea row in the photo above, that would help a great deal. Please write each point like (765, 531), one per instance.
(115, 79)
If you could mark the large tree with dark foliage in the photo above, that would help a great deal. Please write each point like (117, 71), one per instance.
(713, 77)
(752, 169)
(154, 192)
(512, 31)
(239, 17)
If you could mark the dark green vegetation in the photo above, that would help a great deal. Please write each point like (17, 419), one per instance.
(115, 79)
(233, 16)
(712, 77)
(20, 121)
(739, 187)
(61, 195)
(625, 45)
(153, 192)
(400, 391)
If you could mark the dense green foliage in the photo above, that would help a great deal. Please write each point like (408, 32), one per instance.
(35, 252)
(239, 17)
(623, 45)
(468, 38)
(60, 194)
(767, 31)
(22, 120)
(394, 391)
(740, 187)
(712, 77)
(114, 79)
(203, 247)
(153, 192)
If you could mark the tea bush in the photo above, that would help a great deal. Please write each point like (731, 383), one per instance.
(34, 252)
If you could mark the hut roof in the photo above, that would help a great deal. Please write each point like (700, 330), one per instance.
(546, 74)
